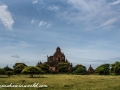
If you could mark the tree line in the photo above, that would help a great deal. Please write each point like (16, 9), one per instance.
(62, 67)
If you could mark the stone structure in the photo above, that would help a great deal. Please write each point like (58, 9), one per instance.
(90, 70)
(54, 60)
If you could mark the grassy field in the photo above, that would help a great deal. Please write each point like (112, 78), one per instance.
(64, 82)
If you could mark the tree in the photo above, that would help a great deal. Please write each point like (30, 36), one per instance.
(2, 71)
(79, 69)
(63, 67)
(31, 70)
(8, 70)
(44, 67)
(18, 67)
(115, 68)
(103, 69)
(18, 64)
(9, 73)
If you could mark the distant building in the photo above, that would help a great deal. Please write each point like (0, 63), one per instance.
(90, 70)
(57, 58)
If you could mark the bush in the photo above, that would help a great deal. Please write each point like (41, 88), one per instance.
(103, 69)
(79, 69)
(115, 68)
(9, 73)
(2, 71)
(44, 67)
(31, 70)
(18, 67)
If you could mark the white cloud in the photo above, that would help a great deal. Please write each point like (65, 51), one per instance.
(87, 11)
(43, 23)
(109, 22)
(115, 2)
(35, 1)
(49, 25)
(6, 17)
(91, 6)
(11, 47)
(24, 44)
(20, 45)
(53, 8)
(32, 21)
(90, 14)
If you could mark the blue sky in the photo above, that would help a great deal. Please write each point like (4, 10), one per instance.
(87, 31)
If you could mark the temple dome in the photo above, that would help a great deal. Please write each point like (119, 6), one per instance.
(58, 49)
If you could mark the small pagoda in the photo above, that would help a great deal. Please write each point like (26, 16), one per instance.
(90, 70)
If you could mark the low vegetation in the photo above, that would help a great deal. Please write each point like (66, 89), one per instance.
(63, 82)
(104, 77)
(62, 68)
(31, 70)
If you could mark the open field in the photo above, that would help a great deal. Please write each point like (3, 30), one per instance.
(64, 82)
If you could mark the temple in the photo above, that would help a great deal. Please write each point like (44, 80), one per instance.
(57, 63)
(54, 60)
(90, 70)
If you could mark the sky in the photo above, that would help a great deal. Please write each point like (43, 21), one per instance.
(87, 31)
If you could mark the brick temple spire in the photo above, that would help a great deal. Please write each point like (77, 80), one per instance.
(90, 70)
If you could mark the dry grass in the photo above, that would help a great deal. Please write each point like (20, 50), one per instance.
(66, 82)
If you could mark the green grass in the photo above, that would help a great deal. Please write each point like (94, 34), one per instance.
(65, 82)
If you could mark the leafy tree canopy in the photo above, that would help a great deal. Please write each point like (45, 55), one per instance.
(79, 69)
(16, 64)
(31, 70)
(2, 71)
(44, 67)
(78, 65)
(63, 67)
(103, 69)
(7, 68)
(18, 67)
(115, 68)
